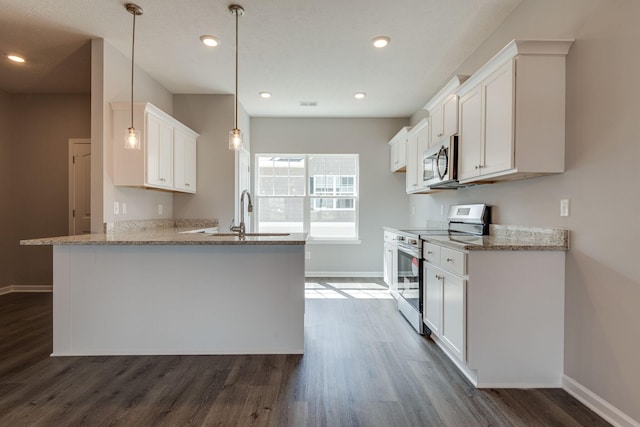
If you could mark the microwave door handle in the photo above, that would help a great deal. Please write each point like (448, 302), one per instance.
(442, 152)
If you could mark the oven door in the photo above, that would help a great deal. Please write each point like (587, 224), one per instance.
(410, 285)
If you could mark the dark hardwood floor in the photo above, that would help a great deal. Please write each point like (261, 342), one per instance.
(363, 366)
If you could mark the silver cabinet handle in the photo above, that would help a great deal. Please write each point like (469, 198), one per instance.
(449, 259)
(162, 179)
(187, 184)
(429, 253)
(439, 277)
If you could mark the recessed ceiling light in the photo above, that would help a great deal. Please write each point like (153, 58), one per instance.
(16, 58)
(265, 94)
(209, 41)
(359, 95)
(381, 41)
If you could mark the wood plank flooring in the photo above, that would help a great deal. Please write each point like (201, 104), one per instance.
(363, 366)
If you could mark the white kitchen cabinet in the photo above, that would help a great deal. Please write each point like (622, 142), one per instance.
(454, 313)
(417, 142)
(398, 150)
(159, 143)
(184, 154)
(512, 114)
(167, 156)
(443, 111)
(391, 268)
(432, 299)
(444, 299)
(497, 314)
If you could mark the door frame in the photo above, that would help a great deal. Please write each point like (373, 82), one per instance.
(72, 141)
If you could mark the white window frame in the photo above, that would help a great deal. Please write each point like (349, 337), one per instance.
(307, 197)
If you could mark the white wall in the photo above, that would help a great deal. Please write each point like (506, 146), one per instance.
(601, 179)
(111, 82)
(383, 200)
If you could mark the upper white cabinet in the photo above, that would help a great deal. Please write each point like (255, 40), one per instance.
(398, 150)
(512, 114)
(167, 158)
(417, 142)
(443, 111)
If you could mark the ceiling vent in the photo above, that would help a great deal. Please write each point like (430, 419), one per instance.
(308, 103)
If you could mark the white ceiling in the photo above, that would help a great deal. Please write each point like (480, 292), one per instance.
(300, 50)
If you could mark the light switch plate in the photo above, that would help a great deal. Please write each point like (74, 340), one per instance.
(564, 207)
(116, 208)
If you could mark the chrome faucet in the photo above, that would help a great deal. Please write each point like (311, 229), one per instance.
(240, 229)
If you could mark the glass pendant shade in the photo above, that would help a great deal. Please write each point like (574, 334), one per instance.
(132, 139)
(235, 139)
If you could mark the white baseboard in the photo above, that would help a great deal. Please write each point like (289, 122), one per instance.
(343, 274)
(25, 288)
(597, 404)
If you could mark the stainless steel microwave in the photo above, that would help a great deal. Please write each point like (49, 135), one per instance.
(440, 165)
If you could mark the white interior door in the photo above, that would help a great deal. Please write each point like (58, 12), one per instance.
(79, 186)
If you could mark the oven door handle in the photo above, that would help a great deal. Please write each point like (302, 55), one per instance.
(409, 251)
(442, 152)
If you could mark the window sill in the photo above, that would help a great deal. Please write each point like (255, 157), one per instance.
(318, 241)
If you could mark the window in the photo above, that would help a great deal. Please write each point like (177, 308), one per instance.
(312, 193)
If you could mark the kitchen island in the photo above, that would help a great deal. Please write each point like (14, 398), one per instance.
(170, 292)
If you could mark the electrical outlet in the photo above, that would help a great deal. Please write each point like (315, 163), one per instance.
(307, 255)
(160, 209)
(124, 208)
(116, 208)
(564, 207)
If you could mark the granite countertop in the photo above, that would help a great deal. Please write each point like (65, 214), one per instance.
(143, 235)
(506, 238)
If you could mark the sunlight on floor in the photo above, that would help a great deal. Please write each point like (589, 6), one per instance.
(344, 290)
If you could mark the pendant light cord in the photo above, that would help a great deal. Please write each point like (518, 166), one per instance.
(133, 51)
(235, 112)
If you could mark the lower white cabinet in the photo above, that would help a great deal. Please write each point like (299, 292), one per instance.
(167, 156)
(390, 266)
(497, 314)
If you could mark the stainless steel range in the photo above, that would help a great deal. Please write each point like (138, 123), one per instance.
(464, 221)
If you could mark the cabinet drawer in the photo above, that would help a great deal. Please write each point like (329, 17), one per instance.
(454, 261)
(431, 253)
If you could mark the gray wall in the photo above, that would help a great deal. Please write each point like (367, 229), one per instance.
(383, 200)
(601, 179)
(41, 126)
(212, 117)
(111, 82)
(6, 192)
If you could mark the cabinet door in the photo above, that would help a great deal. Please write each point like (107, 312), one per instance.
(432, 299)
(498, 106)
(470, 135)
(393, 157)
(184, 156)
(454, 315)
(159, 152)
(450, 116)
(412, 163)
(437, 131)
(423, 144)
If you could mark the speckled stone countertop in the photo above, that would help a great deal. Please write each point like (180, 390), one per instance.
(508, 238)
(504, 238)
(162, 235)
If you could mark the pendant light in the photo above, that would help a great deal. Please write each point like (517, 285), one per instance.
(235, 136)
(132, 137)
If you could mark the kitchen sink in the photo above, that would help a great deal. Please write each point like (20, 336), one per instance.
(251, 234)
(201, 230)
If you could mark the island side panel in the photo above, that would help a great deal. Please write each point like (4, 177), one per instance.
(61, 300)
(199, 299)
